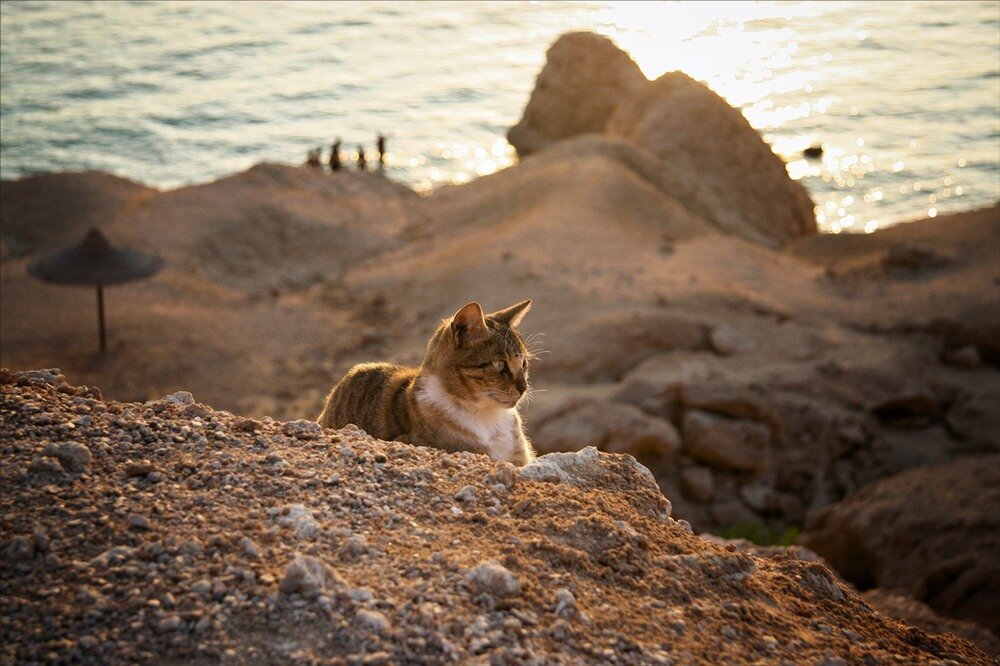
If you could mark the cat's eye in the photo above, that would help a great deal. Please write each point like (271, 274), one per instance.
(498, 366)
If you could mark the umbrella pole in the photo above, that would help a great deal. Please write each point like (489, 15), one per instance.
(100, 318)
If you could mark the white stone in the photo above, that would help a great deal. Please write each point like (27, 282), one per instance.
(308, 576)
(494, 579)
(300, 520)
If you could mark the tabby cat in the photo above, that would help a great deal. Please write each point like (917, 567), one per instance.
(463, 397)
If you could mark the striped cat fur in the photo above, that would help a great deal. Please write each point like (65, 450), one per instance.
(463, 397)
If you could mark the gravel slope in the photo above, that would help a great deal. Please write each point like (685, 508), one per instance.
(168, 531)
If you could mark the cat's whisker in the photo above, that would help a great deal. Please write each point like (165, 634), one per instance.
(534, 348)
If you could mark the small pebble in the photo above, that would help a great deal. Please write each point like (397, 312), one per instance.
(372, 620)
(494, 579)
(466, 494)
(138, 521)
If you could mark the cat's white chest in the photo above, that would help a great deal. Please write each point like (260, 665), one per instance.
(493, 429)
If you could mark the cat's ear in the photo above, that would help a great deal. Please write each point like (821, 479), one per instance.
(468, 323)
(513, 315)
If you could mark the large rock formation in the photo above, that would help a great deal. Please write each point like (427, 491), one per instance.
(584, 77)
(933, 532)
(180, 537)
(710, 159)
(714, 161)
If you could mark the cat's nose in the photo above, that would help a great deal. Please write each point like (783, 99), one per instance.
(521, 383)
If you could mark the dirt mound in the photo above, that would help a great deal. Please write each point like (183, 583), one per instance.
(138, 532)
(274, 226)
(50, 209)
(932, 532)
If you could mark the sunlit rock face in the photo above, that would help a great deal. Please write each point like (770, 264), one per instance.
(716, 163)
(710, 159)
(584, 77)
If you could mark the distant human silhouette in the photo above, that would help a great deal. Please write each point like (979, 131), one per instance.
(335, 155)
(362, 163)
(380, 146)
(312, 158)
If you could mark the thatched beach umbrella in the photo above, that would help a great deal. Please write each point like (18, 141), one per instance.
(94, 261)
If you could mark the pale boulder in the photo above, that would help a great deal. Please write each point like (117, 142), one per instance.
(610, 426)
(494, 579)
(727, 340)
(309, 576)
(589, 469)
(738, 444)
(584, 76)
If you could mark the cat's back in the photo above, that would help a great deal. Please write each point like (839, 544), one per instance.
(373, 397)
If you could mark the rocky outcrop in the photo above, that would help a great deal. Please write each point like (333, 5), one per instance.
(714, 161)
(584, 77)
(709, 157)
(931, 532)
(526, 570)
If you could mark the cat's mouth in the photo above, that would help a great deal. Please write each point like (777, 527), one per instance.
(502, 400)
(509, 401)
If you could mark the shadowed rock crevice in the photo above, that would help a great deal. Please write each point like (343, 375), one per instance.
(926, 531)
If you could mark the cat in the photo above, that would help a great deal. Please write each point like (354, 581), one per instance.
(463, 397)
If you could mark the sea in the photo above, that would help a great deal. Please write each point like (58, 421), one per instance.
(904, 97)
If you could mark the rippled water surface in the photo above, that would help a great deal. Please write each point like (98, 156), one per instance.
(905, 97)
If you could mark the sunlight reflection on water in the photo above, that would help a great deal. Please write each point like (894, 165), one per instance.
(902, 96)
